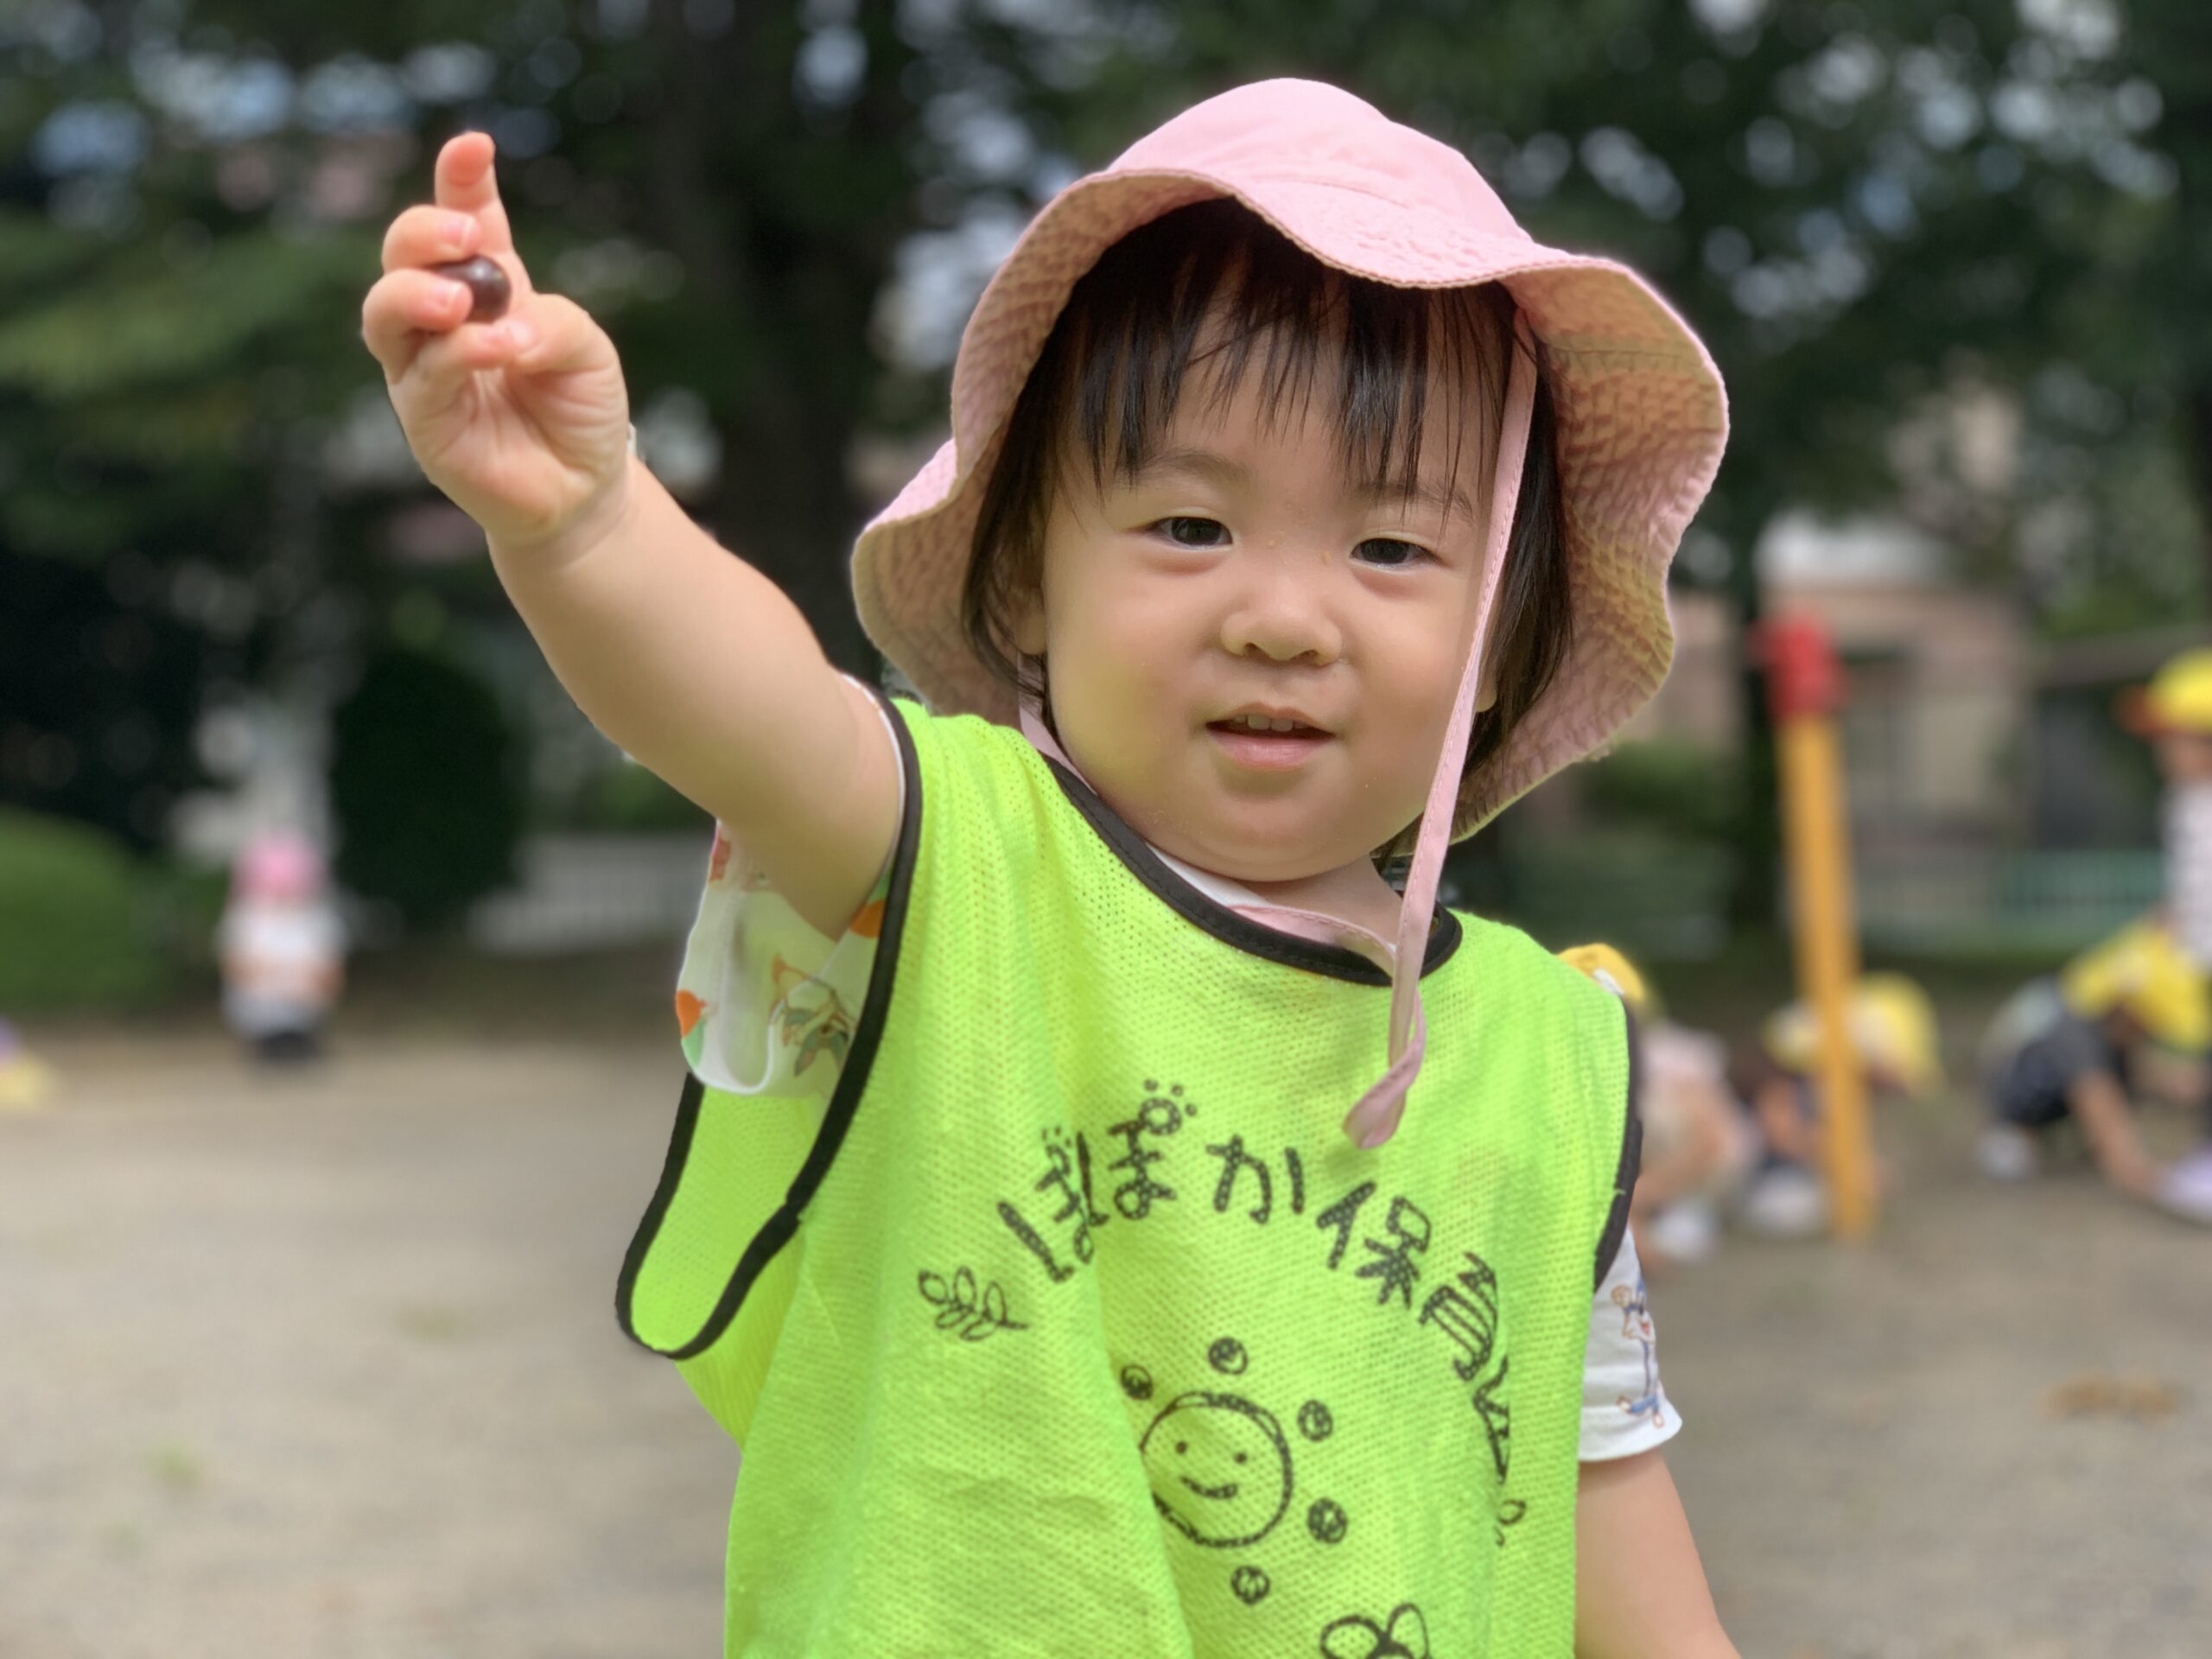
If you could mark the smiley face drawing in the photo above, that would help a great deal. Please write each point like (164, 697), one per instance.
(1219, 1463)
(1220, 1468)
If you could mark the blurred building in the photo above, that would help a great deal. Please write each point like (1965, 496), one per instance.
(1993, 797)
(2095, 786)
(1940, 678)
(1937, 721)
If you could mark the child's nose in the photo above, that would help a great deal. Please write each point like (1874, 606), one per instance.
(1283, 615)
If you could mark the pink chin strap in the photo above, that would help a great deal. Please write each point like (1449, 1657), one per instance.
(1374, 1117)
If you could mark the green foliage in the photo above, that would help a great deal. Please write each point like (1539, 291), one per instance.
(80, 917)
(1666, 784)
(427, 781)
(628, 796)
(1851, 202)
(145, 323)
(1658, 896)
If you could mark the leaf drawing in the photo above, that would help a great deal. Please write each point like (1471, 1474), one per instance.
(961, 1310)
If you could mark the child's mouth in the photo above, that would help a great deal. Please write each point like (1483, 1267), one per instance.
(1267, 751)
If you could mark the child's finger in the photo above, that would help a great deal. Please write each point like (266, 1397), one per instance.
(445, 361)
(564, 337)
(403, 307)
(430, 236)
(466, 184)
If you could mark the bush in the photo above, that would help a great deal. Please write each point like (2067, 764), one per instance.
(79, 919)
(1657, 896)
(1665, 784)
(426, 780)
(628, 797)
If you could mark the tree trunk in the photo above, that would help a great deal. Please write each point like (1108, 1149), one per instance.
(785, 502)
(1753, 903)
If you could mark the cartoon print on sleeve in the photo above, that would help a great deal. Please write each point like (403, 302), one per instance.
(688, 1010)
(809, 1014)
(690, 1015)
(1636, 1324)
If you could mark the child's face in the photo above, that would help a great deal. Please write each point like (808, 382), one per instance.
(1241, 572)
(2185, 757)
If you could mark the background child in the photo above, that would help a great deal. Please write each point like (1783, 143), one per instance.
(2061, 1050)
(27, 1083)
(1081, 1315)
(2174, 712)
(1698, 1144)
(281, 948)
(1892, 1025)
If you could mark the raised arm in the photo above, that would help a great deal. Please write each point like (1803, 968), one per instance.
(688, 657)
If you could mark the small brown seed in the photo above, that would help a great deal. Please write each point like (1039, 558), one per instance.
(487, 285)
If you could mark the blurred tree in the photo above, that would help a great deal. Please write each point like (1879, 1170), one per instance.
(2168, 46)
(427, 784)
(1896, 222)
(192, 215)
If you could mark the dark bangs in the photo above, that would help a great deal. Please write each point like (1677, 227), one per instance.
(1212, 285)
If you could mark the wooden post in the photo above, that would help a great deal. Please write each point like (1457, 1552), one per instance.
(1805, 687)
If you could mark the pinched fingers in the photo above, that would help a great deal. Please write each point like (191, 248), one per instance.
(403, 308)
(547, 334)
(443, 362)
(430, 236)
(557, 335)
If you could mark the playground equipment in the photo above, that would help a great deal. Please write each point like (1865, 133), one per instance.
(1805, 690)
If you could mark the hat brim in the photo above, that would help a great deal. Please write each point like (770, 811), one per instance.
(1642, 420)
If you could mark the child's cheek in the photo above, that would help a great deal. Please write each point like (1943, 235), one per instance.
(1108, 703)
(1424, 665)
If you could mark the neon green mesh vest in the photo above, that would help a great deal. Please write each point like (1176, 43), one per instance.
(1073, 1324)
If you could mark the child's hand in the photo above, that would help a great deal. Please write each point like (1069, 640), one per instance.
(523, 421)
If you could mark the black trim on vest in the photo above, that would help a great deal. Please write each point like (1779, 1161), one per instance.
(844, 1101)
(1630, 1165)
(671, 1172)
(1225, 924)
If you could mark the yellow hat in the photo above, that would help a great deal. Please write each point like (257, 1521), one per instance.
(1612, 971)
(2178, 699)
(1892, 1026)
(2141, 970)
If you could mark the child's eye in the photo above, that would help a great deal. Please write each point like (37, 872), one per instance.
(1381, 549)
(1193, 532)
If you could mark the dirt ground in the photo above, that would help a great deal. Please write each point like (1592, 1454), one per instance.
(326, 1365)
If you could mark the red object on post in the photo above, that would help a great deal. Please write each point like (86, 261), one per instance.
(1803, 678)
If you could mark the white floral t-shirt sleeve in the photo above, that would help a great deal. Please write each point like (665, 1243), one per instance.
(765, 1004)
(1624, 1407)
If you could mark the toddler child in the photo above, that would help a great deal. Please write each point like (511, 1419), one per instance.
(1699, 1145)
(281, 948)
(1053, 1214)
(1892, 1025)
(2063, 1049)
(2174, 713)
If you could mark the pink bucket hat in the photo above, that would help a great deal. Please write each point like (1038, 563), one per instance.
(1642, 419)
